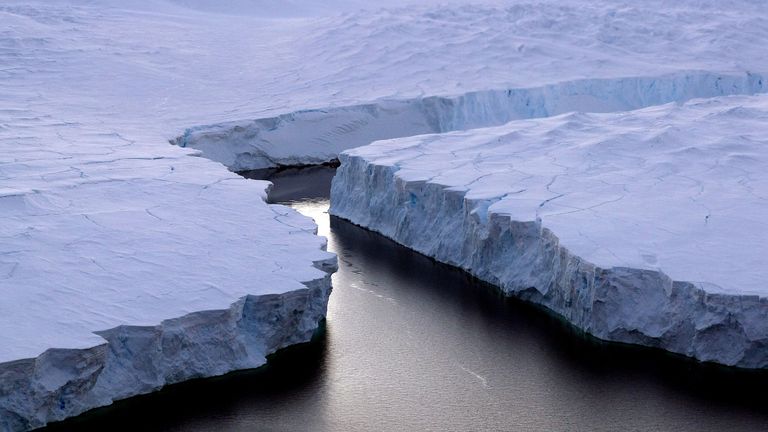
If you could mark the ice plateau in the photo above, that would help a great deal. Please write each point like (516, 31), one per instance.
(644, 227)
(126, 268)
(364, 76)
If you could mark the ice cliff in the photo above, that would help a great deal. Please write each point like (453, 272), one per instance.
(316, 136)
(125, 267)
(135, 360)
(643, 227)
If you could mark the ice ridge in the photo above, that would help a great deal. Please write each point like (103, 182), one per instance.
(315, 136)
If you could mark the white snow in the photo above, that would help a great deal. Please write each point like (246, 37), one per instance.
(667, 194)
(317, 136)
(680, 189)
(169, 259)
(98, 240)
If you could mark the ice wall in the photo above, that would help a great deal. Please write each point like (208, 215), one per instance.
(135, 360)
(319, 135)
(643, 227)
(127, 267)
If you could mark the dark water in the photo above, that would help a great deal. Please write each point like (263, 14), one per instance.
(414, 345)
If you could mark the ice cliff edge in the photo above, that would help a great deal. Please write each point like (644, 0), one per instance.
(641, 227)
(147, 274)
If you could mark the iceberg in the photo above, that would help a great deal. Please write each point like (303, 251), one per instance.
(121, 275)
(644, 227)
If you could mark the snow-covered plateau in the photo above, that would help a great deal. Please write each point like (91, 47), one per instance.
(645, 227)
(127, 263)
(122, 272)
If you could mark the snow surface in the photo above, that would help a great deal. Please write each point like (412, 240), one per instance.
(672, 198)
(676, 188)
(95, 240)
(317, 136)
(160, 68)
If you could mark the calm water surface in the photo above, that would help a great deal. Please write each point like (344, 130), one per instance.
(410, 344)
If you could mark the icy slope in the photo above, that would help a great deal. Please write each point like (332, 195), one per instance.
(644, 227)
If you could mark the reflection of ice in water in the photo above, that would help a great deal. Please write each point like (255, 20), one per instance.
(317, 209)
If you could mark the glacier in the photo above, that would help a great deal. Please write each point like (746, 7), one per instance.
(642, 227)
(383, 74)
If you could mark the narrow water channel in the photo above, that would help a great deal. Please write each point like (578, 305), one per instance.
(413, 345)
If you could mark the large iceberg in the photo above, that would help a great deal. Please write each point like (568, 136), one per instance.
(644, 227)
(123, 273)
(127, 264)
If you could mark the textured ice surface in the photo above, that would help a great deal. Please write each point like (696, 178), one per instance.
(127, 237)
(644, 227)
(125, 263)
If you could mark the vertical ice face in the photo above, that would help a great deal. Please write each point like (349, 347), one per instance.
(617, 222)
(135, 360)
(317, 136)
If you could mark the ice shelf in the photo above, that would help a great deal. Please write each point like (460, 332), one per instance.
(645, 227)
(121, 273)
(127, 264)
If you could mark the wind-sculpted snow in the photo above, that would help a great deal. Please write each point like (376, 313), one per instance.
(644, 227)
(317, 136)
